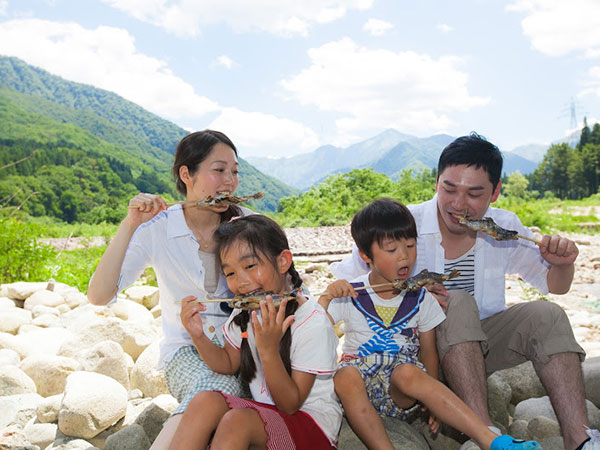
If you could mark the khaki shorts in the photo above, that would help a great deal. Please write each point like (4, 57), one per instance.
(529, 331)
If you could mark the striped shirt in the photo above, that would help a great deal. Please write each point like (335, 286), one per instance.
(465, 264)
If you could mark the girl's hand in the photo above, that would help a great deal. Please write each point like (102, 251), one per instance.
(190, 316)
(144, 207)
(273, 327)
(337, 289)
(440, 293)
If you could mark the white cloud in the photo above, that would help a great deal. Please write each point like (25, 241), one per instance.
(3, 7)
(558, 27)
(224, 61)
(377, 27)
(444, 28)
(263, 134)
(106, 58)
(282, 17)
(383, 89)
(592, 82)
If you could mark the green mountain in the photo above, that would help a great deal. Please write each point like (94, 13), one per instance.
(86, 151)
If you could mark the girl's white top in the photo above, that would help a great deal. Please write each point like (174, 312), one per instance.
(313, 350)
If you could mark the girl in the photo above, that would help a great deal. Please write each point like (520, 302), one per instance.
(288, 355)
(178, 243)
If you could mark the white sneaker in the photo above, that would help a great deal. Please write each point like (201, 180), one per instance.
(472, 445)
(594, 442)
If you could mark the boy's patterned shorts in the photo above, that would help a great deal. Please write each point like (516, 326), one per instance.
(187, 374)
(376, 370)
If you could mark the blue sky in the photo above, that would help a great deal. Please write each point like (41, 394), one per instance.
(283, 77)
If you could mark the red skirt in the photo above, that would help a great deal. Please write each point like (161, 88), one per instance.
(284, 431)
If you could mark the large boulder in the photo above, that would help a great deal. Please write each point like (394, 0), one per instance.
(529, 409)
(49, 372)
(43, 341)
(145, 375)
(591, 376)
(131, 311)
(107, 358)
(13, 318)
(15, 381)
(92, 403)
(132, 437)
(18, 409)
(524, 382)
(21, 290)
(9, 357)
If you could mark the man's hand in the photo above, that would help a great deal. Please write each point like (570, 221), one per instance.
(558, 251)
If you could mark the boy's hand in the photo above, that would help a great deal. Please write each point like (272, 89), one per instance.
(337, 289)
(440, 293)
(434, 424)
(273, 327)
(190, 316)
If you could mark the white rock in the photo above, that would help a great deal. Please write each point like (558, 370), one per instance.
(69, 443)
(43, 297)
(156, 311)
(133, 337)
(166, 402)
(92, 403)
(40, 434)
(107, 358)
(45, 341)
(28, 328)
(145, 375)
(144, 295)
(49, 372)
(3, 290)
(64, 308)
(131, 311)
(13, 318)
(39, 310)
(13, 406)
(14, 381)
(45, 320)
(9, 357)
(47, 410)
(23, 289)
(6, 303)
(75, 299)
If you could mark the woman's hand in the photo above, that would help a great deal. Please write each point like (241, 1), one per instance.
(190, 316)
(274, 324)
(144, 207)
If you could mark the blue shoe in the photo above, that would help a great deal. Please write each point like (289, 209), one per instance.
(506, 442)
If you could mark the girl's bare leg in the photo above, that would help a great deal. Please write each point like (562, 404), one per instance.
(165, 436)
(361, 415)
(240, 429)
(408, 382)
(199, 420)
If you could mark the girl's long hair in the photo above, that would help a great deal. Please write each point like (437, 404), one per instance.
(266, 239)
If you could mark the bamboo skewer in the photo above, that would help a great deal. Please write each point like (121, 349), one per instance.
(536, 241)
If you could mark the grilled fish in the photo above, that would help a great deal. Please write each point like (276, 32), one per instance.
(222, 200)
(487, 225)
(426, 278)
(252, 301)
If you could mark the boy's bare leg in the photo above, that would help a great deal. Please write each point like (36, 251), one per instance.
(240, 429)
(199, 420)
(361, 415)
(165, 436)
(409, 382)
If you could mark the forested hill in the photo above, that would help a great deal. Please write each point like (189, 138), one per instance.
(88, 150)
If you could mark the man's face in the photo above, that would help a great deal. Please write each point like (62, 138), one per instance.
(463, 189)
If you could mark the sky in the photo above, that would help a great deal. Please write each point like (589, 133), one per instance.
(283, 77)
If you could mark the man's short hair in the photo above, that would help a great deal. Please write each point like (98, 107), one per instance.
(383, 218)
(473, 150)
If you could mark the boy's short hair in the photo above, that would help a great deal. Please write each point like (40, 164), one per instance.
(473, 150)
(383, 218)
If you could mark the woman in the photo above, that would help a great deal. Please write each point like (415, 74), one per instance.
(178, 243)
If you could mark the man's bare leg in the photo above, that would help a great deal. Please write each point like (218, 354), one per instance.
(563, 380)
(464, 369)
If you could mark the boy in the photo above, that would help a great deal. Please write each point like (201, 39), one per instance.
(385, 333)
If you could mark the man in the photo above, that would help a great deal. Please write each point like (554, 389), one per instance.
(480, 335)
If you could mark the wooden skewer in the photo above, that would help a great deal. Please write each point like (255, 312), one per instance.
(183, 203)
(536, 241)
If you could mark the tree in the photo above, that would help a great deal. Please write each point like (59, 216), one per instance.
(516, 185)
(585, 134)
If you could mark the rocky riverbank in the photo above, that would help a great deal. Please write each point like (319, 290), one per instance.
(78, 376)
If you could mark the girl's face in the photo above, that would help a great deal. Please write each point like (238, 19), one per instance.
(247, 271)
(217, 174)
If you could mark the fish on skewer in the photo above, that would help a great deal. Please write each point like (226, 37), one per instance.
(214, 200)
(427, 278)
(488, 226)
(249, 301)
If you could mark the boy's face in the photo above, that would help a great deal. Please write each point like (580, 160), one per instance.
(463, 188)
(393, 259)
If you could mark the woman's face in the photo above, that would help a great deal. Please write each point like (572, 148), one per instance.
(217, 174)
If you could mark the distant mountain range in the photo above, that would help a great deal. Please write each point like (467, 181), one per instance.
(390, 152)
(92, 148)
